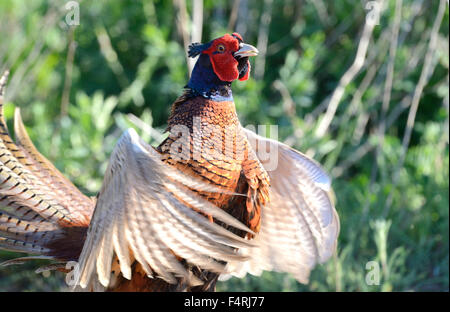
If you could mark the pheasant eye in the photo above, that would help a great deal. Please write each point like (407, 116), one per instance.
(221, 48)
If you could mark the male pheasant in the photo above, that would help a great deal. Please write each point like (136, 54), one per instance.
(211, 199)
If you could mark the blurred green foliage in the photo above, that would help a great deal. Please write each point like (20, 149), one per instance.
(129, 60)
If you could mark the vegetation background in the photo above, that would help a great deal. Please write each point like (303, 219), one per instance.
(370, 101)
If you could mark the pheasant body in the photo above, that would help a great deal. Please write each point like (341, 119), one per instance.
(216, 151)
(206, 155)
(206, 141)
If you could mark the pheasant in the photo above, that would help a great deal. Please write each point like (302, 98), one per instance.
(204, 204)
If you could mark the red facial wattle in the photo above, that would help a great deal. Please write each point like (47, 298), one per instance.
(225, 68)
(224, 64)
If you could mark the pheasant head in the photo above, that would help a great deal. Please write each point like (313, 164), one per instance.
(221, 61)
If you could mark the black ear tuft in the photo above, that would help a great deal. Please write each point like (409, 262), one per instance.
(195, 49)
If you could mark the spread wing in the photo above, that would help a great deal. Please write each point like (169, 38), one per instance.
(41, 212)
(143, 212)
(299, 226)
(30, 184)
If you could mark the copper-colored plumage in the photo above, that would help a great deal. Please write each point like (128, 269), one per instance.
(218, 129)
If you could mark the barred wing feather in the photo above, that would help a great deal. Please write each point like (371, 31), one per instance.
(144, 212)
(299, 226)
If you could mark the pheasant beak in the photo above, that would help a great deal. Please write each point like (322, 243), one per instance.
(246, 50)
